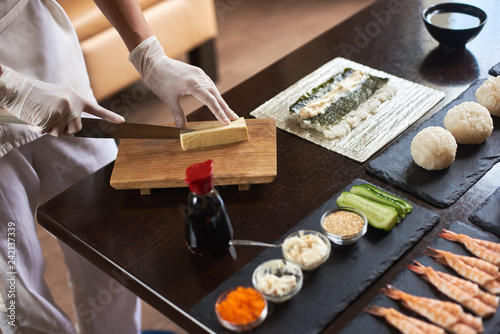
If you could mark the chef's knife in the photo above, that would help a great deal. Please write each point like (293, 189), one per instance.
(99, 128)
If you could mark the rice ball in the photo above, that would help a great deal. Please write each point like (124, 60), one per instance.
(469, 123)
(488, 95)
(433, 148)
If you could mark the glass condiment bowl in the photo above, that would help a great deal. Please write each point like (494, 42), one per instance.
(240, 327)
(344, 239)
(279, 268)
(306, 266)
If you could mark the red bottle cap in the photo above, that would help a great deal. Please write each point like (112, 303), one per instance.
(200, 177)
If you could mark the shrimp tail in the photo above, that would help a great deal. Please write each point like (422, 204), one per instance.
(415, 269)
(449, 235)
(438, 257)
(375, 310)
(391, 292)
(419, 269)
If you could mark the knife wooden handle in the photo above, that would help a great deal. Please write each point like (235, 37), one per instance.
(7, 117)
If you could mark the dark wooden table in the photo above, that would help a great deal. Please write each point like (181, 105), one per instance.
(139, 240)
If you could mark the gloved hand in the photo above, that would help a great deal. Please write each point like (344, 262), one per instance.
(170, 79)
(46, 107)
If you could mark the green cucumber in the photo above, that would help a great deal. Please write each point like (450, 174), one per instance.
(379, 215)
(406, 205)
(368, 193)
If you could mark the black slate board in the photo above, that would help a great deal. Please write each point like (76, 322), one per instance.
(487, 215)
(495, 70)
(333, 286)
(412, 283)
(439, 188)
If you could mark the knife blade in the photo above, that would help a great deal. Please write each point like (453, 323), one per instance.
(99, 128)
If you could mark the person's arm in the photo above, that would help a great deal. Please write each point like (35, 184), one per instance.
(169, 79)
(127, 18)
(48, 108)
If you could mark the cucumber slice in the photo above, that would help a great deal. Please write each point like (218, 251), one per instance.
(379, 215)
(368, 193)
(406, 205)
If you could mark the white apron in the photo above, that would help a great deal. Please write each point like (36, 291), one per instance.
(38, 40)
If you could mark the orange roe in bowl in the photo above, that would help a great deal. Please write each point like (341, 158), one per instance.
(241, 306)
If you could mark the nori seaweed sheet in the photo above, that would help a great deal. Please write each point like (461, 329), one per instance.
(320, 91)
(343, 105)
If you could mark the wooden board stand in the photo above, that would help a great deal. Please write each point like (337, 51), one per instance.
(147, 164)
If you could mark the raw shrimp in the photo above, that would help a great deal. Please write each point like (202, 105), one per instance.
(477, 247)
(448, 315)
(406, 324)
(463, 266)
(465, 292)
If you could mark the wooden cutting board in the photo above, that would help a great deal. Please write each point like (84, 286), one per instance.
(146, 164)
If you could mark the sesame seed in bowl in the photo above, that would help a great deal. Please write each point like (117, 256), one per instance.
(344, 225)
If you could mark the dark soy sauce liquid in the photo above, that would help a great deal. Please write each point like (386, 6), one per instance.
(208, 228)
(454, 20)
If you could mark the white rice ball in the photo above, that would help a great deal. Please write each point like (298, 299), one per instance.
(433, 148)
(469, 123)
(488, 95)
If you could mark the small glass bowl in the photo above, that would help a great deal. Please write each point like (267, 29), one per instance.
(240, 327)
(348, 239)
(279, 268)
(309, 265)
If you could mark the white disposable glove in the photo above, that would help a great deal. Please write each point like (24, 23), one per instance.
(46, 107)
(170, 79)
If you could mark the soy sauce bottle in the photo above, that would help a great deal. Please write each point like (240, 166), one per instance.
(208, 228)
